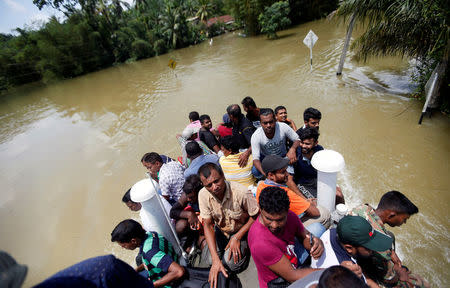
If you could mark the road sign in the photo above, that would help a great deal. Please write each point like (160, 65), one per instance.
(309, 41)
(172, 63)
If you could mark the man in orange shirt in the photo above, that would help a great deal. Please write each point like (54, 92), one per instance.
(275, 168)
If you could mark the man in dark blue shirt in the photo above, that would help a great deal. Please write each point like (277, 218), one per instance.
(305, 176)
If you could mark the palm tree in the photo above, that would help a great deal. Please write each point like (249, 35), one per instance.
(412, 28)
(204, 10)
(116, 7)
(189, 7)
(140, 5)
(172, 25)
(415, 28)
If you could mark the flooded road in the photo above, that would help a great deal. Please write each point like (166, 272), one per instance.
(70, 150)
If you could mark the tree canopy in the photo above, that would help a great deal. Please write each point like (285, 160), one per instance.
(274, 18)
(99, 33)
(413, 28)
(416, 28)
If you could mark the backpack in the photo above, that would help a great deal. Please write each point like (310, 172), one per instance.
(198, 278)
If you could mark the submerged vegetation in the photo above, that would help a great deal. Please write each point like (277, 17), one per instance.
(95, 34)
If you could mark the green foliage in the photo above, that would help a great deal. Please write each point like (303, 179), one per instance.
(246, 12)
(174, 28)
(417, 29)
(196, 33)
(308, 10)
(100, 33)
(204, 10)
(18, 59)
(95, 34)
(218, 7)
(393, 27)
(122, 40)
(216, 29)
(160, 47)
(141, 49)
(274, 19)
(71, 50)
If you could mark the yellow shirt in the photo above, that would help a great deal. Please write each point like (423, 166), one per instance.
(234, 173)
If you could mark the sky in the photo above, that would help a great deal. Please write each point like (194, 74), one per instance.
(23, 13)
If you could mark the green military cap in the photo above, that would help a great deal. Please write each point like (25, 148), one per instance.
(357, 231)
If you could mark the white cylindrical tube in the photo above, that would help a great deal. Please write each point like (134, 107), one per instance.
(327, 164)
(153, 211)
(326, 190)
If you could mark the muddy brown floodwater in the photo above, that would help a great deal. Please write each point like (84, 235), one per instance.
(70, 150)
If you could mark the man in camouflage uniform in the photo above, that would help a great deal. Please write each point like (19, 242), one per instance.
(394, 209)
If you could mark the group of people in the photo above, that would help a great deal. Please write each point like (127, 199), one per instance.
(247, 189)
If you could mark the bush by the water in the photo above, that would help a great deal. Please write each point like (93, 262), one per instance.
(274, 19)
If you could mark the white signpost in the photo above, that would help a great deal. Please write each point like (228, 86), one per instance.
(309, 41)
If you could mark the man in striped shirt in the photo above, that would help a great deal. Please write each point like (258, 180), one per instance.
(158, 255)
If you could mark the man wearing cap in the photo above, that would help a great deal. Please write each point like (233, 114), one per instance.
(195, 154)
(393, 209)
(271, 139)
(275, 167)
(191, 133)
(354, 238)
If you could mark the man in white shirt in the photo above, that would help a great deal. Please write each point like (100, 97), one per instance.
(270, 139)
